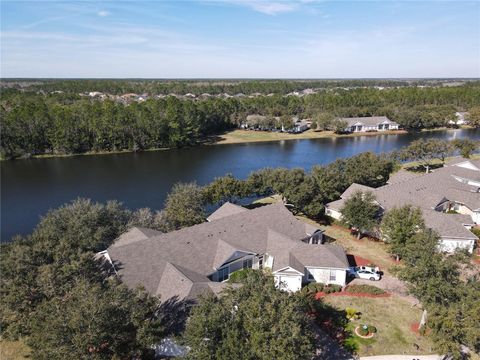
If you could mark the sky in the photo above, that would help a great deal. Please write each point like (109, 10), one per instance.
(240, 39)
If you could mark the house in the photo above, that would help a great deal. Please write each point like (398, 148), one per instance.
(460, 119)
(371, 123)
(186, 263)
(449, 199)
(255, 121)
(300, 126)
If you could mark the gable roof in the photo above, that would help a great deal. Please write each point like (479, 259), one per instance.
(179, 263)
(427, 191)
(225, 210)
(368, 120)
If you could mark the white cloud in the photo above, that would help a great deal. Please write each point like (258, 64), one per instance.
(267, 7)
(103, 13)
(271, 8)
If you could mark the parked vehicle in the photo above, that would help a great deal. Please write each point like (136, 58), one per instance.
(365, 272)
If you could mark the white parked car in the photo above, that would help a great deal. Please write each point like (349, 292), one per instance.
(365, 272)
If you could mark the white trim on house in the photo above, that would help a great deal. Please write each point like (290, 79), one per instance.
(288, 279)
(326, 275)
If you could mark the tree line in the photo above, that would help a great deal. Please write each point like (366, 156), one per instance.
(198, 87)
(34, 124)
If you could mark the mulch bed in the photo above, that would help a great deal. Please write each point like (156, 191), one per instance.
(369, 336)
(355, 260)
(321, 294)
(415, 328)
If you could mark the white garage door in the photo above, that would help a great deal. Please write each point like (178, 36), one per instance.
(290, 283)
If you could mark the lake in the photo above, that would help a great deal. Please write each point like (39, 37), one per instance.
(29, 188)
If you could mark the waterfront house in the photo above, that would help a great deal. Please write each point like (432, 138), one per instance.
(460, 119)
(186, 263)
(449, 199)
(371, 123)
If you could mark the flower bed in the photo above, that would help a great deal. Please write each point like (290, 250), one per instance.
(365, 333)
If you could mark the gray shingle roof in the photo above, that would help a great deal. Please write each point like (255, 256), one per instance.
(226, 209)
(427, 191)
(403, 175)
(179, 263)
(354, 188)
(368, 120)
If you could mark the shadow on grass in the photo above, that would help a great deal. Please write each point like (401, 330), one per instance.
(334, 322)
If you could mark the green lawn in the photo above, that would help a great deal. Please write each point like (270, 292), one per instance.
(392, 317)
(243, 136)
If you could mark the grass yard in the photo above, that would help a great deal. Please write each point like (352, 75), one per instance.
(13, 350)
(243, 136)
(392, 317)
(435, 162)
(375, 251)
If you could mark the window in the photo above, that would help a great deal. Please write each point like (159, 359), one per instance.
(247, 263)
(333, 275)
(223, 274)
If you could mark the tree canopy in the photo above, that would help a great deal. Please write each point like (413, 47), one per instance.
(398, 227)
(361, 212)
(54, 292)
(59, 117)
(452, 302)
(254, 321)
(426, 151)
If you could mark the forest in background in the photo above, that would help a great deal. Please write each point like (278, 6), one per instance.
(51, 117)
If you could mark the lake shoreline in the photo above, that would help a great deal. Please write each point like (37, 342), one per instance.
(239, 136)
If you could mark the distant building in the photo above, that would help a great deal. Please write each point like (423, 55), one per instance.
(371, 123)
(300, 126)
(256, 121)
(460, 119)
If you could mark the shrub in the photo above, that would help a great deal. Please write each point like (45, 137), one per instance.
(476, 231)
(422, 330)
(365, 289)
(240, 276)
(312, 288)
(352, 314)
(371, 329)
(317, 286)
(332, 288)
(362, 331)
